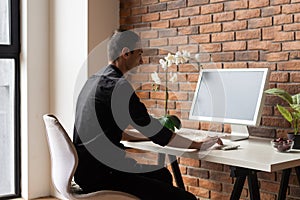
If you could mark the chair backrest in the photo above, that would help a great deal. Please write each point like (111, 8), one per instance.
(64, 159)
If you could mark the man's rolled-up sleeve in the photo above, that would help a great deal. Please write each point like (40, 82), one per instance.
(146, 124)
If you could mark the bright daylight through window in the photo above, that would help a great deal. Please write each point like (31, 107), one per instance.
(7, 164)
(4, 22)
(9, 99)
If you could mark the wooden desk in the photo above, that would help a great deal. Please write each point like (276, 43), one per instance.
(254, 154)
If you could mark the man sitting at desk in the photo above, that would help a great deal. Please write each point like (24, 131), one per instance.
(106, 106)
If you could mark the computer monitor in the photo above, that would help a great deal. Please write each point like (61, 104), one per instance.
(230, 96)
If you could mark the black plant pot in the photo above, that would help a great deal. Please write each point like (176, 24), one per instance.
(296, 138)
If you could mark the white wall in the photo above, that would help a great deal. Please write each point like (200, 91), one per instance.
(34, 97)
(103, 19)
(79, 29)
(56, 38)
(68, 44)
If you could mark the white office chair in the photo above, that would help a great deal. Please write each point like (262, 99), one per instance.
(64, 161)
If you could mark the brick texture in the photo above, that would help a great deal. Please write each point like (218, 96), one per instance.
(228, 34)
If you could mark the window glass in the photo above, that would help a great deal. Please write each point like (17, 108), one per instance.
(4, 22)
(7, 135)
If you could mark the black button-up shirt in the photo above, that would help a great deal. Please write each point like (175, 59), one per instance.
(106, 106)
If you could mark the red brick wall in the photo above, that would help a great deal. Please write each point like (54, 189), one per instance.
(228, 34)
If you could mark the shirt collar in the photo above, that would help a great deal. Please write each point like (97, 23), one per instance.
(116, 69)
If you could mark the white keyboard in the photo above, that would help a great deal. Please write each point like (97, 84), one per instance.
(197, 135)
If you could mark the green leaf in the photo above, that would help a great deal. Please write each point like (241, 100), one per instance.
(296, 116)
(296, 99)
(295, 107)
(176, 121)
(167, 123)
(170, 122)
(280, 93)
(285, 113)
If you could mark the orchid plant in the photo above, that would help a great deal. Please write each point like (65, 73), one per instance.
(169, 121)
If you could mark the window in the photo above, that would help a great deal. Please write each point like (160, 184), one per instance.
(4, 23)
(9, 99)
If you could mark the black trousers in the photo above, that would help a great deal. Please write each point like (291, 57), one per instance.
(152, 185)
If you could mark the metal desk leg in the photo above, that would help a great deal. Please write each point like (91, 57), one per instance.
(284, 183)
(237, 188)
(176, 171)
(253, 185)
(241, 174)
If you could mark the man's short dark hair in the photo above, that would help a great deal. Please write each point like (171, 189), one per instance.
(119, 40)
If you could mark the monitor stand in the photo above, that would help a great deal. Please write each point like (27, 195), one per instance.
(238, 132)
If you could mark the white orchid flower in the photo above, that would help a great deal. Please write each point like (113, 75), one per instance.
(170, 63)
(170, 58)
(177, 60)
(178, 53)
(186, 55)
(164, 64)
(178, 57)
(155, 78)
(198, 57)
(173, 78)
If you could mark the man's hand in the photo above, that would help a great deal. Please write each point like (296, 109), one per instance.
(182, 142)
(209, 142)
(206, 143)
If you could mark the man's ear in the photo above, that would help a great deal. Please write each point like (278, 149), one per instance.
(125, 51)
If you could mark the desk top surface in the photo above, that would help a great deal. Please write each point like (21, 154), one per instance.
(253, 153)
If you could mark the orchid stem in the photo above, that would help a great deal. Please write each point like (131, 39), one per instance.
(167, 93)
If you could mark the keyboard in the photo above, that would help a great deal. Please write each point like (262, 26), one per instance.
(198, 135)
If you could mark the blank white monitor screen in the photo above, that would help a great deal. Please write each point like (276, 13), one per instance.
(233, 96)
